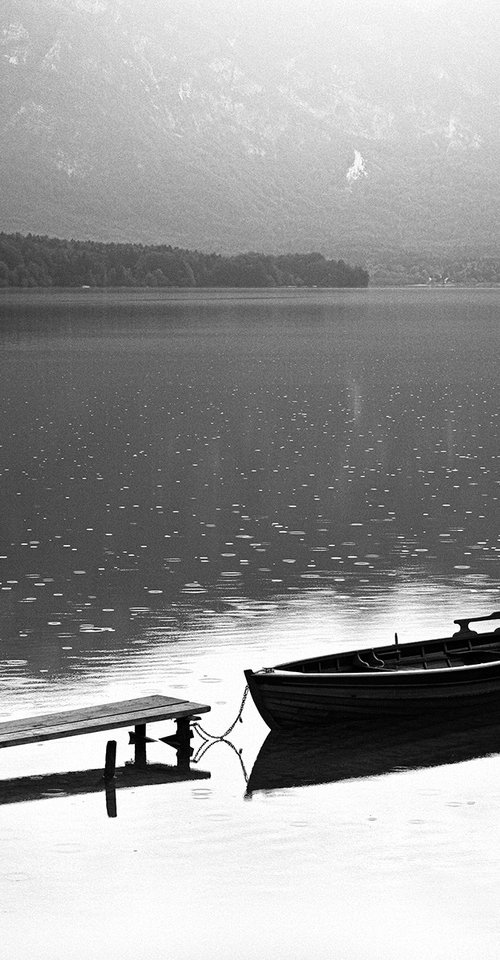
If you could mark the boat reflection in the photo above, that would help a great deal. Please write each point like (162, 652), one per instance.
(356, 749)
(52, 785)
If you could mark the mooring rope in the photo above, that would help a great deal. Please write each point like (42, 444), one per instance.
(208, 744)
(205, 735)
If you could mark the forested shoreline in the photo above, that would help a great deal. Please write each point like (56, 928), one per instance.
(411, 267)
(36, 261)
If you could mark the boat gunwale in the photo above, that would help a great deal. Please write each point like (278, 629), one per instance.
(471, 641)
(373, 672)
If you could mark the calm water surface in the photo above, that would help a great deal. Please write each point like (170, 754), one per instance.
(197, 483)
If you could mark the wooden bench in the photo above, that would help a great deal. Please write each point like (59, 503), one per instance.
(110, 716)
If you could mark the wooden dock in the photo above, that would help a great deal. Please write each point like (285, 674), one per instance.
(135, 713)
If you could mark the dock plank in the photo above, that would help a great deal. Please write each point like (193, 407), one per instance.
(92, 719)
(97, 710)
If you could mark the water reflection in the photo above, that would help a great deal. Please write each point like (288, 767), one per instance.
(77, 782)
(360, 749)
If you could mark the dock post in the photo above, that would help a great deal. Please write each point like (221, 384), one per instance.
(110, 761)
(181, 741)
(183, 745)
(139, 740)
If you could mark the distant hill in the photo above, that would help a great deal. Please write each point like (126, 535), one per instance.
(355, 129)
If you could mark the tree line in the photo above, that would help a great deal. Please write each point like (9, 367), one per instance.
(405, 268)
(37, 261)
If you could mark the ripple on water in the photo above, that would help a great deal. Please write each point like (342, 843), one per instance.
(332, 462)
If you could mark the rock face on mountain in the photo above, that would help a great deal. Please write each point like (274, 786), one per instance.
(349, 128)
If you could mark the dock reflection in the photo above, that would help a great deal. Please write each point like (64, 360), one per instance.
(358, 749)
(53, 785)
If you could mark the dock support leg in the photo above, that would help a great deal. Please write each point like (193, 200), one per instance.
(181, 741)
(110, 761)
(140, 741)
(183, 746)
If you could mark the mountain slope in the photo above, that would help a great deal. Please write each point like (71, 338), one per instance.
(231, 125)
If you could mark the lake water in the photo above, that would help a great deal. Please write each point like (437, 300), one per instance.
(194, 483)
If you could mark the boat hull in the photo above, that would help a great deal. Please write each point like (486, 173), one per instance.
(287, 699)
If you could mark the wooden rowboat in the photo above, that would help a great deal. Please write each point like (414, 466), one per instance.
(408, 679)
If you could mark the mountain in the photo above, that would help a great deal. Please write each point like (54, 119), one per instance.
(356, 129)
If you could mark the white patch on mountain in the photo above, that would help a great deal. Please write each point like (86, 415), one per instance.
(64, 164)
(52, 58)
(185, 90)
(14, 40)
(460, 137)
(357, 168)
